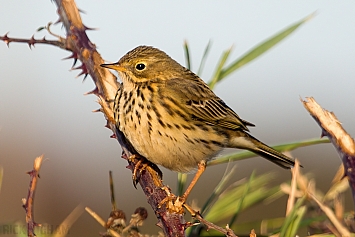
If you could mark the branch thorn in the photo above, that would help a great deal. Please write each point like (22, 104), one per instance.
(96, 110)
(94, 91)
(89, 28)
(31, 42)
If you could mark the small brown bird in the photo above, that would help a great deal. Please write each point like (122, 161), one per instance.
(173, 118)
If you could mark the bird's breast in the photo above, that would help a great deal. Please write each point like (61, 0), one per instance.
(162, 130)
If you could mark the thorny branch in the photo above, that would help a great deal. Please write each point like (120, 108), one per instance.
(32, 41)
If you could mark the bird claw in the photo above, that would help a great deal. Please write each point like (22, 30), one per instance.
(172, 202)
(141, 165)
(176, 204)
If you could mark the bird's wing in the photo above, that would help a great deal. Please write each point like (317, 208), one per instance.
(200, 101)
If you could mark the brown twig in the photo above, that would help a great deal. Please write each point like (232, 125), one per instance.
(101, 221)
(226, 231)
(292, 195)
(342, 141)
(28, 203)
(195, 214)
(117, 218)
(112, 192)
(64, 227)
(137, 218)
(339, 227)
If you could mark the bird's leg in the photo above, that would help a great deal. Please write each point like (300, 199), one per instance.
(200, 169)
(179, 202)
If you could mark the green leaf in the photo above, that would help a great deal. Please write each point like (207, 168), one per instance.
(219, 67)
(281, 148)
(260, 49)
(204, 56)
(41, 28)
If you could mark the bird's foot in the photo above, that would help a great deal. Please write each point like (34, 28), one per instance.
(141, 164)
(176, 204)
(172, 202)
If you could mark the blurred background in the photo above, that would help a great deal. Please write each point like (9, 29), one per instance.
(43, 109)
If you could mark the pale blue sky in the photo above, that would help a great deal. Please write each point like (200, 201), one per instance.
(43, 109)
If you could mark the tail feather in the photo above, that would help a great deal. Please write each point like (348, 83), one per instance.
(274, 156)
(246, 141)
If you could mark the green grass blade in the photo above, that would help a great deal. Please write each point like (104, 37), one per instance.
(292, 217)
(266, 227)
(297, 221)
(187, 55)
(228, 201)
(181, 183)
(228, 206)
(194, 230)
(239, 207)
(219, 68)
(218, 190)
(261, 48)
(281, 148)
(272, 225)
(204, 57)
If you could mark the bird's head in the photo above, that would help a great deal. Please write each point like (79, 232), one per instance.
(145, 64)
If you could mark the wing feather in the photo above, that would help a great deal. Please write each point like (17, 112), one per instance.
(200, 101)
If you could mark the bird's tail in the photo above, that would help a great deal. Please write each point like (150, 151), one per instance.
(246, 141)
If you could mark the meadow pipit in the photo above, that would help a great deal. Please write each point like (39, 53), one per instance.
(174, 119)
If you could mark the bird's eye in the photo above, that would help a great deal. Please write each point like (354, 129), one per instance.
(140, 66)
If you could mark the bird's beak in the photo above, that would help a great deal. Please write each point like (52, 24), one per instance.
(114, 66)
